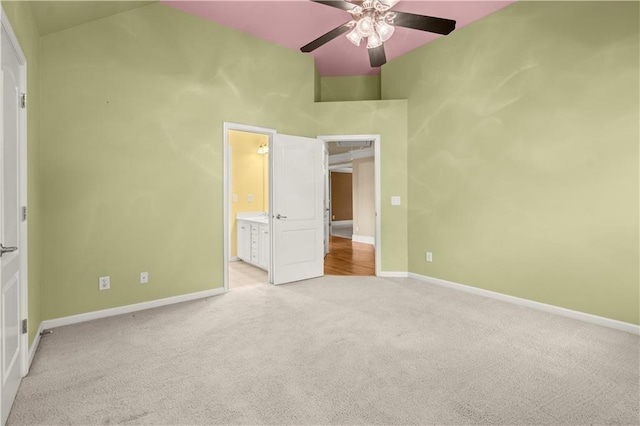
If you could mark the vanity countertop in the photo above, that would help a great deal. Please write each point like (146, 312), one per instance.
(261, 218)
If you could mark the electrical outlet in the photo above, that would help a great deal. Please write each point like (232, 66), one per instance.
(395, 200)
(429, 256)
(104, 283)
(235, 198)
(250, 198)
(144, 277)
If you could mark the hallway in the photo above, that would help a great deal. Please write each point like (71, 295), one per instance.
(348, 258)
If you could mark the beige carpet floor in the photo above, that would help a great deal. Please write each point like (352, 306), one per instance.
(335, 350)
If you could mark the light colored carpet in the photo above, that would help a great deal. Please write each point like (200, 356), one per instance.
(343, 231)
(335, 350)
(241, 274)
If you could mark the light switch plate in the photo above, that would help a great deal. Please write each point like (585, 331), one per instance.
(395, 200)
(235, 198)
(250, 198)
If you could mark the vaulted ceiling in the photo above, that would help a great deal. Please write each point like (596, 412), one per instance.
(290, 23)
(294, 23)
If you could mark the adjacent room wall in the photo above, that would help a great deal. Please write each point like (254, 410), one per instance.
(364, 201)
(351, 88)
(249, 176)
(523, 154)
(23, 24)
(132, 150)
(341, 196)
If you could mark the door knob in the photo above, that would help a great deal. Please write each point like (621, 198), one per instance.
(278, 216)
(4, 249)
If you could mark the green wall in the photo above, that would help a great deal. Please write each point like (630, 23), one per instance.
(23, 24)
(516, 157)
(132, 150)
(523, 154)
(351, 88)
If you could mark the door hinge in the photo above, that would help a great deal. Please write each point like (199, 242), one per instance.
(24, 326)
(23, 100)
(24, 213)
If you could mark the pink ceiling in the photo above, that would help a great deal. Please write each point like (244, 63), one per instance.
(294, 23)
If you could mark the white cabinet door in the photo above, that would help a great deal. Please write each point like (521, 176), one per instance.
(244, 240)
(263, 248)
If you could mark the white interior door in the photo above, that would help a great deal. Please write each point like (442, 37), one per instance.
(10, 297)
(297, 209)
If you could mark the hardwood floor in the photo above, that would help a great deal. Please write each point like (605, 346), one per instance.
(348, 258)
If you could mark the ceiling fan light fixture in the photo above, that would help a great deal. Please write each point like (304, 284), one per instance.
(355, 37)
(365, 27)
(384, 30)
(373, 41)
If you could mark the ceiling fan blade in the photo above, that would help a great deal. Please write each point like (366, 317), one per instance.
(377, 56)
(326, 38)
(340, 4)
(424, 23)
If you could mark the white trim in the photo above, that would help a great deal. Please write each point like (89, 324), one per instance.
(105, 313)
(341, 222)
(378, 195)
(580, 316)
(234, 259)
(34, 345)
(363, 239)
(226, 183)
(393, 274)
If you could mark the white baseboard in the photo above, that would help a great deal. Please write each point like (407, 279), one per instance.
(34, 345)
(234, 259)
(74, 319)
(363, 239)
(393, 274)
(341, 222)
(581, 316)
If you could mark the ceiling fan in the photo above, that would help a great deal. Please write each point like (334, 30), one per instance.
(373, 20)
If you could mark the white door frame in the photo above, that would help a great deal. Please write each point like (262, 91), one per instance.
(226, 178)
(376, 166)
(7, 30)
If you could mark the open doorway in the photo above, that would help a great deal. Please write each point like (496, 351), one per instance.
(353, 199)
(249, 246)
